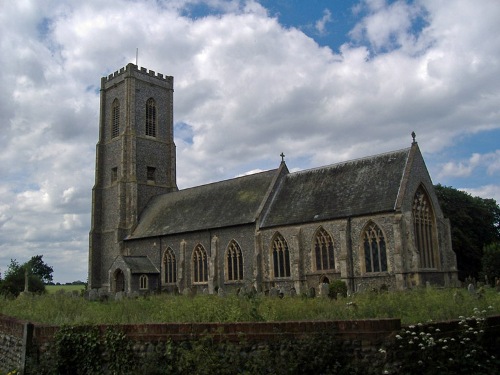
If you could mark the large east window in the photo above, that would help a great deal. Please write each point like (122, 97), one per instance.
(423, 222)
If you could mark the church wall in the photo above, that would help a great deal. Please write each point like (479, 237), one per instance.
(215, 243)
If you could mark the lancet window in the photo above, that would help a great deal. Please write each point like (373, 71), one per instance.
(323, 250)
(200, 265)
(424, 227)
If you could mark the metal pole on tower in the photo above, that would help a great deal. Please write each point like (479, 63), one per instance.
(137, 56)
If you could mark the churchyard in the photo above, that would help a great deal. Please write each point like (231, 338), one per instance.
(411, 306)
(422, 331)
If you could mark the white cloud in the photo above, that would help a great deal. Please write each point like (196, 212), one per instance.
(320, 24)
(246, 89)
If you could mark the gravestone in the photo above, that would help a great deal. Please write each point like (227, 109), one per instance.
(273, 292)
(323, 290)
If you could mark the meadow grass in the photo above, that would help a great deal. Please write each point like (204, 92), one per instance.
(413, 306)
(66, 288)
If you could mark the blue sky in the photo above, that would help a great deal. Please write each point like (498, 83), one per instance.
(322, 81)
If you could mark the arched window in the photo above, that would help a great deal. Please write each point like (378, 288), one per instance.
(323, 250)
(281, 257)
(234, 262)
(374, 246)
(170, 267)
(115, 119)
(143, 282)
(423, 222)
(200, 265)
(151, 117)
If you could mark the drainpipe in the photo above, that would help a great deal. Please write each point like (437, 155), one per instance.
(349, 251)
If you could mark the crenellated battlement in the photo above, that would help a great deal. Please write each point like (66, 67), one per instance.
(134, 68)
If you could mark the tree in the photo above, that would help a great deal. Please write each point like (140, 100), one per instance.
(14, 280)
(475, 223)
(491, 262)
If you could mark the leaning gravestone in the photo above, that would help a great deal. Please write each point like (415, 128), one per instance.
(93, 295)
(273, 292)
(311, 293)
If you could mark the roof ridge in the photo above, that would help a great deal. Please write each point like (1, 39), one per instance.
(226, 180)
(350, 161)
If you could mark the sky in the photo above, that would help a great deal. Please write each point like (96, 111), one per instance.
(322, 81)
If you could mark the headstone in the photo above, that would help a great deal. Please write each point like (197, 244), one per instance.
(497, 284)
(311, 293)
(471, 289)
(293, 292)
(323, 290)
(273, 292)
(93, 295)
(220, 292)
(205, 291)
(119, 296)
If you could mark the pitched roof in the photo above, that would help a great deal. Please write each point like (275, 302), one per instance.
(220, 204)
(140, 264)
(357, 187)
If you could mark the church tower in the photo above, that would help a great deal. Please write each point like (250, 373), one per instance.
(135, 160)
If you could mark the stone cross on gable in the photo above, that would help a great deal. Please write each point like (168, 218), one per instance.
(282, 157)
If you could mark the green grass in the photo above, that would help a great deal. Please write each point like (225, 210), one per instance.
(420, 305)
(67, 288)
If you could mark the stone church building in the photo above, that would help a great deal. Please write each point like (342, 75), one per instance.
(370, 222)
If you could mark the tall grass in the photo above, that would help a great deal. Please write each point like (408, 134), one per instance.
(420, 305)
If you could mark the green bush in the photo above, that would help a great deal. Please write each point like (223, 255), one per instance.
(337, 287)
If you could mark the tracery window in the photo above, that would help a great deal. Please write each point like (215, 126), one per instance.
(323, 250)
(281, 257)
(143, 282)
(200, 265)
(170, 267)
(115, 119)
(423, 222)
(375, 248)
(151, 117)
(234, 262)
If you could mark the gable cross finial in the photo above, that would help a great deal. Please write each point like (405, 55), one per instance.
(413, 135)
(282, 157)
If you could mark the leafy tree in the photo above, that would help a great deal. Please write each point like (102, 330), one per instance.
(491, 262)
(475, 223)
(14, 280)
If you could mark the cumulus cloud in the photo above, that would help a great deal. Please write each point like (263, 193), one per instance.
(246, 89)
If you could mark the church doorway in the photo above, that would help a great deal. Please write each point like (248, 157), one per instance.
(119, 281)
(324, 280)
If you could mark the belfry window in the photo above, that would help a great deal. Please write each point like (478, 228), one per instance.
(234, 262)
(115, 119)
(151, 117)
(375, 248)
(200, 265)
(281, 257)
(323, 250)
(423, 222)
(170, 267)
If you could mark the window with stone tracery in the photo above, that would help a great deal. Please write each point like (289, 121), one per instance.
(234, 262)
(151, 117)
(115, 119)
(424, 227)
(323, 250)
(200, 264)
(281, 257)
(170, 267)
(374, 248)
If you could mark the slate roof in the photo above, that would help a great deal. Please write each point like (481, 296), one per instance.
(220, 204)
(140, 264)
(352, 188)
